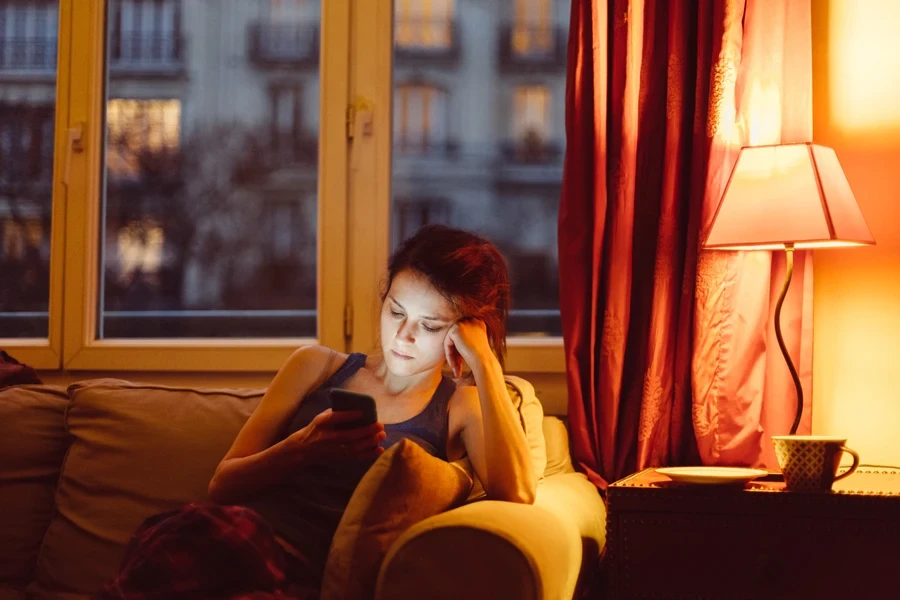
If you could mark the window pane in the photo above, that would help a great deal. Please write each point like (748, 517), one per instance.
(479, 134)
(209, 220)
(28, 41)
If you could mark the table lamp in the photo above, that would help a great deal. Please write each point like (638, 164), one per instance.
(782, 197)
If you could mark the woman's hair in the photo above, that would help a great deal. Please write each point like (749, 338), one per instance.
(466, 269)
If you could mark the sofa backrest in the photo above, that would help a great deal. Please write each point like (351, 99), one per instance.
(33, 442)
(137, 450)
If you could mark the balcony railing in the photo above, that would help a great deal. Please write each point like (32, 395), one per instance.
(129, 53)
(530, 152)
(532, 48)
(447, 149)
(28, 55)
(295, 45)
(290, 148)
(146, 53)
(426, 41)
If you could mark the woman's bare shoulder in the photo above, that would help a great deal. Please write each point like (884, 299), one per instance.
(314, 363)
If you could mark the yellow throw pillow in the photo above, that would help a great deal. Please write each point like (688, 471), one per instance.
(404, 486)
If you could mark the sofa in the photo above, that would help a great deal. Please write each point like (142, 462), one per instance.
(81, 467)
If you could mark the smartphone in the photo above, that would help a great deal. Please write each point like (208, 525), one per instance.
(347, 400)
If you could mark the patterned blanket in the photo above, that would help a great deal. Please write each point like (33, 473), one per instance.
(209, 552)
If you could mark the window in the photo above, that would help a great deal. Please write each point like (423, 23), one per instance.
(291, 140)
(28, 38)
(142, 133)
(530, 115)
(145, 34)
(412, 214)
(292, 11)
(288, 32)
(185, 223)
(424, 23)
(185, 182)
(504, 174)
(420, 118)
(532, 31)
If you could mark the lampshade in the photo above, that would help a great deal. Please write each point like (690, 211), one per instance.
(787, 194)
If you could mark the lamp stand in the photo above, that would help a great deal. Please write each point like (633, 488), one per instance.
(789, 271)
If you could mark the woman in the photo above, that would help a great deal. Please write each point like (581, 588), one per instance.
(291, 471)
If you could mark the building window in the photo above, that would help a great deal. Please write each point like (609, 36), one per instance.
(145, 33)
(531, 114)
(423, 23)
(420, 118)
(140, 133)
(292, 11)
(26, 143)
(281, 228)
(532, 31)
(28, 36)
(411, 214)
(286, 119)
(288, 32)
(290, 141)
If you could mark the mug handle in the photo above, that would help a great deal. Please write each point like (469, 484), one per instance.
(853, 466)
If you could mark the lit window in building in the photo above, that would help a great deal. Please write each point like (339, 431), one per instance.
(531, 114)
(532, 31)
(423, 23)
(420, 118)
(140, 128)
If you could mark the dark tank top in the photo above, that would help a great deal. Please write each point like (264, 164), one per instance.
(305, 510)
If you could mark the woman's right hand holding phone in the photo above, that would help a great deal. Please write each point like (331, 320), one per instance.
(324, 439)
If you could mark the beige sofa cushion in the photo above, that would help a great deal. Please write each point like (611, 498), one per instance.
(532, 414)
(33, 442)
(137, 450)
(556, 436)
(405, 486)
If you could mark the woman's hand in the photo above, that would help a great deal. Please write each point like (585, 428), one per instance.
(467, 341)
(323, 439)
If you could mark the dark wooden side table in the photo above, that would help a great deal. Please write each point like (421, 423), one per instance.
(666, 540)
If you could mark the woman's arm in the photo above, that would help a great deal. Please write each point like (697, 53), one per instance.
(491, 430)
(255, 461)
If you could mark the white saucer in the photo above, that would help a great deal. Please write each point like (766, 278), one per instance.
(711, 475)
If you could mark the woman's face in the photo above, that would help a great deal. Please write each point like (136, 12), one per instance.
(415, 318)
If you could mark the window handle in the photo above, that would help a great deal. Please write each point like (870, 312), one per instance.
(74, 144)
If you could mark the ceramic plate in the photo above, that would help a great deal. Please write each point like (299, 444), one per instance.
(711, 475)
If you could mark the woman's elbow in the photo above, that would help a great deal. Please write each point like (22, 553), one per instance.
(524, 496)
(216, 492)
(524, 493)
(527, 493)
(213, 491)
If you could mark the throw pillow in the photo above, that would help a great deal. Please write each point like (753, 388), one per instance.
(404, 486)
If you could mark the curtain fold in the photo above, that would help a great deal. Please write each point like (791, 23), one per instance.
(661, 339)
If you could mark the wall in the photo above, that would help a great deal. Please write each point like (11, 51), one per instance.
(856, 81)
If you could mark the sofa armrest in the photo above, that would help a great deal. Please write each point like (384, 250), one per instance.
(496, 550)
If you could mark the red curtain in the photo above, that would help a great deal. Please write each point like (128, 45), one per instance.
(655, 104)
